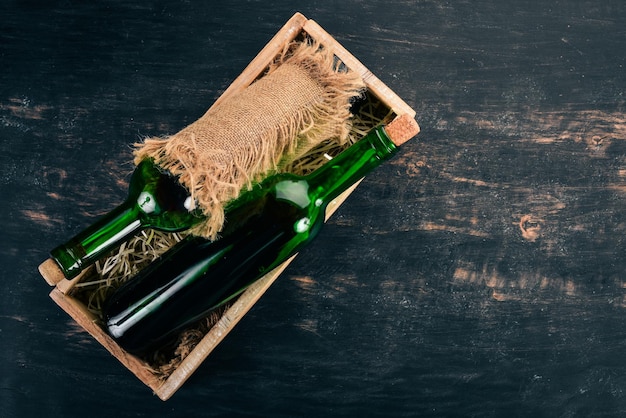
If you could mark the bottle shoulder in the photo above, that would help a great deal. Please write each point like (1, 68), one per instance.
(160, 199)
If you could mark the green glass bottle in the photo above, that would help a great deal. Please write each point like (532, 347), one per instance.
(264, 227)
(155, 199)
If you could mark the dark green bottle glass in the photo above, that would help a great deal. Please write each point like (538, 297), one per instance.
(264, 227)
(155, 200)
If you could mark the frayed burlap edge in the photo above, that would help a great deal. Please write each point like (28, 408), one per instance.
(212, 185)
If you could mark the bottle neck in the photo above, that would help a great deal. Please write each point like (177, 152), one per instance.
(95, 241)
(336, 176)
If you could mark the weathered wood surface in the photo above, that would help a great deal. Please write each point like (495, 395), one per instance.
(479, 273)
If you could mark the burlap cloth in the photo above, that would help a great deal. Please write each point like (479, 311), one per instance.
(302, 99)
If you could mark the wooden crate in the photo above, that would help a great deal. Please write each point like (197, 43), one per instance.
(297, 26)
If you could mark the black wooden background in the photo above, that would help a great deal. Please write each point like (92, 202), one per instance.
(480, 273)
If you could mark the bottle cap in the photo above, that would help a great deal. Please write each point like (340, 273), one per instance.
(401, 129)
